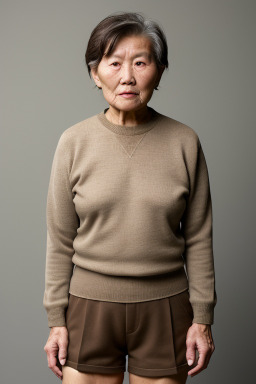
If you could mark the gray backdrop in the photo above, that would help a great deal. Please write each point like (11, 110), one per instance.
(45, 88)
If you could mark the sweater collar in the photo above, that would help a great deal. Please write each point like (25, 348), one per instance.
(130, 130)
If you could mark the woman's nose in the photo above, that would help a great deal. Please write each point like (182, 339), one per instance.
(127, 75)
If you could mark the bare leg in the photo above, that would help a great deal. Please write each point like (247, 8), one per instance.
(179, 378)
(72, 376)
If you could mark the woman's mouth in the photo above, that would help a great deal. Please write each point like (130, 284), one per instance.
(128, 95)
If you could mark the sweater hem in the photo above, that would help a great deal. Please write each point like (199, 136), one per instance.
(127, 289)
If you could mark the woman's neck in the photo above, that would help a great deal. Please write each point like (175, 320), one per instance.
(128, 118)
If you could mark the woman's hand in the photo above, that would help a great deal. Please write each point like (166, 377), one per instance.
(199, 336)
(56, 347)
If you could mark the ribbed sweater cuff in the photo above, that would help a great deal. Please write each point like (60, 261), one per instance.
(56, 317)
(203, 313)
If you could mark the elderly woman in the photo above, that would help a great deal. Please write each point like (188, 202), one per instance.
(129, 206)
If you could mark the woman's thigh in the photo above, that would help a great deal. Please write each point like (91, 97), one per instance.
(72, 376)
(179, 378)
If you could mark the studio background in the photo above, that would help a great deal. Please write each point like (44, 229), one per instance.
(45, 88)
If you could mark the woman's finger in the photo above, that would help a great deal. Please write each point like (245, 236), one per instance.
(62, 351)
(52, 364)
(203, 352)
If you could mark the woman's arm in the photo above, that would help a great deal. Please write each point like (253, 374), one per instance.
(62, 224)
(196, 227)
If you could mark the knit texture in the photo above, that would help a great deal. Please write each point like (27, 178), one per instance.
(129, 216)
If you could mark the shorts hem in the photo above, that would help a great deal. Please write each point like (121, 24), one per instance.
(158, 371)
(94, 368)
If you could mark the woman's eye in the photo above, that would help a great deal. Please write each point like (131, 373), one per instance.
(139, 62)
(114, 63)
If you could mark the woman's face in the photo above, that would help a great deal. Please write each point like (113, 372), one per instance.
(130, 68)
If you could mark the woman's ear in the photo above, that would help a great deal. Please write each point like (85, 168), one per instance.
(96, 78)
(159, 75)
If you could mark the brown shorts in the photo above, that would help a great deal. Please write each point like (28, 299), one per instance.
(151, 333)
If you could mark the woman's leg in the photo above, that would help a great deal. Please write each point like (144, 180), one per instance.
(72, 376)
(179, 378)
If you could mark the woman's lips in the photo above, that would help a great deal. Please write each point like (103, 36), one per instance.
(128, 95)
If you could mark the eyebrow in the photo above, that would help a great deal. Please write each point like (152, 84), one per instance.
(136, 55)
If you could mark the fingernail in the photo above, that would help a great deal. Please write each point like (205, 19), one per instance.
(62, 361)
(190, 362)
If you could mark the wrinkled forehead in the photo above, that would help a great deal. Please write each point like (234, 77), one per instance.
(136, 44)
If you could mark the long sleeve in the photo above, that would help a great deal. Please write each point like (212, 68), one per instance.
(62, 223)
(196, 226)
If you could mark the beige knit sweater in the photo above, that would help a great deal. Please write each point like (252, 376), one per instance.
(129, 208)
